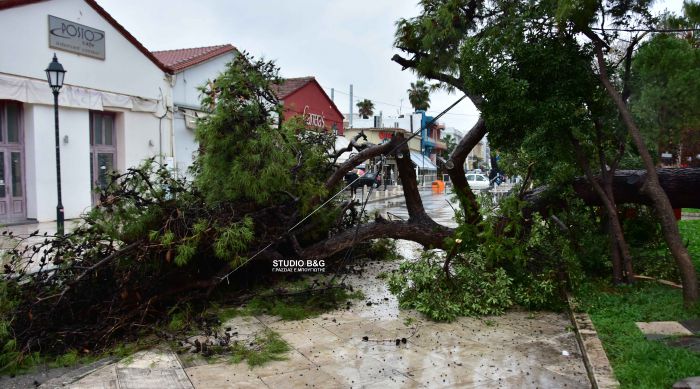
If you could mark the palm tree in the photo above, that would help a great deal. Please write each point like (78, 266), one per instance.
(419, 96)
(366, 108)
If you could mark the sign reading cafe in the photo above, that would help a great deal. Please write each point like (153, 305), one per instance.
(312, 119)
(76, 38)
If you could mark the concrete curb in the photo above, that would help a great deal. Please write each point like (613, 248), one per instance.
(600, 372)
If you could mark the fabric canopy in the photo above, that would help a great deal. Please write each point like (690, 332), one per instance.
(422, 162)
(33, 91)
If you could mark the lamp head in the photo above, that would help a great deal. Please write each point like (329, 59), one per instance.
(55, 74)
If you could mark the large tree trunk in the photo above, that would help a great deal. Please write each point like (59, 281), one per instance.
(426, 232)
(681, 186)
(653, 189)
(457, 173)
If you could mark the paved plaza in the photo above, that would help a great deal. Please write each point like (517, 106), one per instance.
(356, 348)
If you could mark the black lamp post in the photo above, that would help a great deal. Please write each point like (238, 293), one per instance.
(55, 74)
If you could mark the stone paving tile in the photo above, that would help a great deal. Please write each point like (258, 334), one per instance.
(535, 377)
(538, 324)
(691, 343)
(395, 381)
(294, 325)
(355, 331)
(225, 376)
(309, 378)
(359, 371)
(546, 353)
(308, 337)
(442, 375)
(135, 378)
(465, 343)
(693, 325)
(330, 353)
(403, 358)
(659, 329)
(150, 359)
(104, 378)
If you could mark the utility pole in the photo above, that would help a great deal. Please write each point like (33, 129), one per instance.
(350, 105)
(333, 95)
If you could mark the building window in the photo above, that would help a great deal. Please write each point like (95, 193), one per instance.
(103, 150)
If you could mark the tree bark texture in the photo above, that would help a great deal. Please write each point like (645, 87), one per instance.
(426, 232)
(681, 185)
(457, 173)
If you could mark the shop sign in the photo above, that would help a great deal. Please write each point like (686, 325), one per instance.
(76, 38)
(312, 119)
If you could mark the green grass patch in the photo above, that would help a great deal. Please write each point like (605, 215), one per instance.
(266, 347)
(691, 210)
(690, 231)
(636, 361)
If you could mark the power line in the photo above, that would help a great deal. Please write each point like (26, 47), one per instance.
(359, 98)
(647, 29)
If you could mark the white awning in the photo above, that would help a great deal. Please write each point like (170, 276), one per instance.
(33, 91)
(422, 162)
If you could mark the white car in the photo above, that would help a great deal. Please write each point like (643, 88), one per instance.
(478, 181)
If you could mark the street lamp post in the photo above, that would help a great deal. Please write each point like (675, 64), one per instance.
(55, 74)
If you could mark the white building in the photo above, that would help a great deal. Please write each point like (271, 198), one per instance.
(113, 106)
(192, 68)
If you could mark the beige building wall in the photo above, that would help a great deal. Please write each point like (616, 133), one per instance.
(373, 136)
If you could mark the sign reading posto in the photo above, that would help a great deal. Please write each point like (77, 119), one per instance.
(76, 38)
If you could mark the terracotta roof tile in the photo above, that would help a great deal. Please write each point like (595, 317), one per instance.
(290, 85)
(181, 59)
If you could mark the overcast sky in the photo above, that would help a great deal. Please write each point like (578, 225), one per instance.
(340, 42)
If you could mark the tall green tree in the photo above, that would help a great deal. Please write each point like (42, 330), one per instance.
(419, 95)
(539, 87)
(591, 21)
(366, 108)
(666, 94)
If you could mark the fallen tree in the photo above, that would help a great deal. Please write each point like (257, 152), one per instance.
(261, 192)
(681, 185)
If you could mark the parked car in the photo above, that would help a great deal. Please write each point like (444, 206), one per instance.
(368, 179)
(478, 181)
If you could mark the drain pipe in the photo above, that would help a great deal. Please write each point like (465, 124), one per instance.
(160, 126)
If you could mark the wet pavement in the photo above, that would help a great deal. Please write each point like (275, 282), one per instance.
(357, 348)
(374, 344)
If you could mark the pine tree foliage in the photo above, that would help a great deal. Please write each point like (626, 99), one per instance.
(245, 155)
